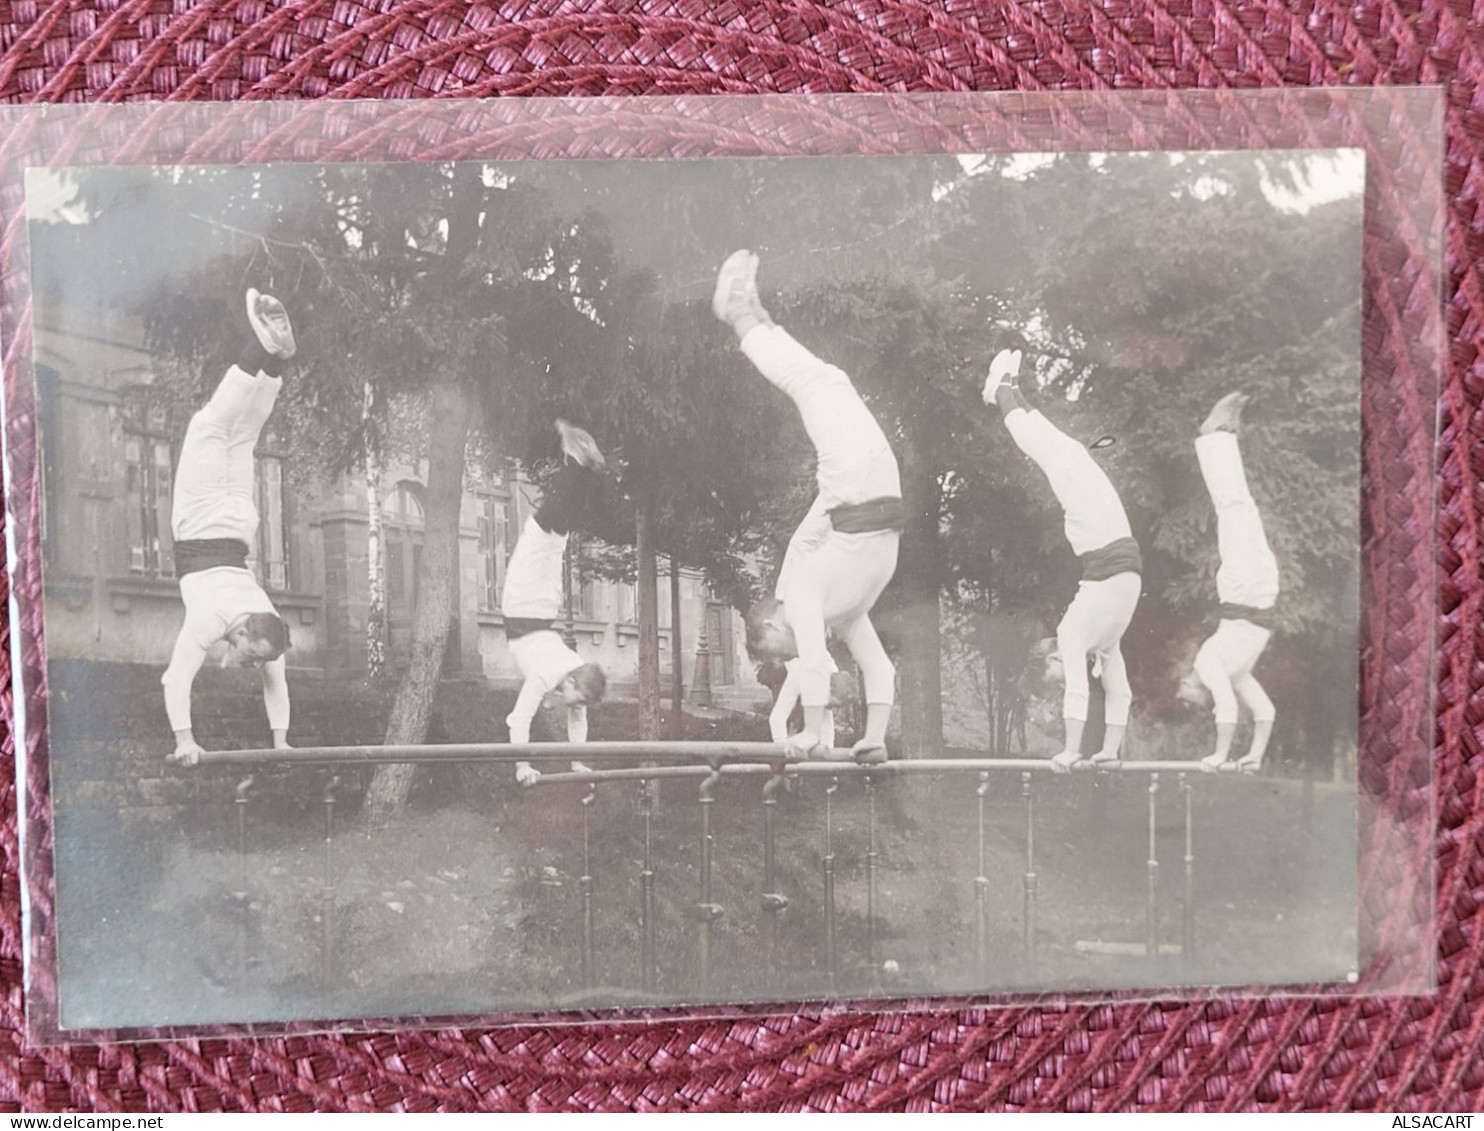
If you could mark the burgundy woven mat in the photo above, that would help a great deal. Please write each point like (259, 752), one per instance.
(1381, 1054)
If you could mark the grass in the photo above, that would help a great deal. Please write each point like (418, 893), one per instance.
(474, 901)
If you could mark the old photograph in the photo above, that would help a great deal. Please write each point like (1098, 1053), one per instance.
(486, 588)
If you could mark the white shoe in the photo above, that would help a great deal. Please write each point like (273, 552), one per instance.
(1226, 415)
(579, 445)
(526, 774)
(581, 768)
(1002, 371)
(736, 286)
(270, 322)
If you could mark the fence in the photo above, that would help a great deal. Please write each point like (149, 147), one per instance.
(708, 764)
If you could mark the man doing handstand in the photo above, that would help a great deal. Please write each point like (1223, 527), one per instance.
(532, 599)
(1098, 529)
(1247, 586)
(214, 521)
(845, 550)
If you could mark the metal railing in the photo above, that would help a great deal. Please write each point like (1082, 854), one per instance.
(709, 764)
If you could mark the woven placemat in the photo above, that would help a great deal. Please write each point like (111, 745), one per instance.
(1389, 1054)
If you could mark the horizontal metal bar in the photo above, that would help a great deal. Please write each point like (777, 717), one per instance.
(654, 773)
(851, 769)
(750, 757)
(704, 752)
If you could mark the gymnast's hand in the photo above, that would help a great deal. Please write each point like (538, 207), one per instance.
(187, 753)
(805, 745)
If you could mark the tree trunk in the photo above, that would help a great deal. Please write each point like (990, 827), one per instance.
(919, 658)
(375, 571)
(649, 627)
(413, 706)
(677, 670)
(453, 644)
(437, 595)
(989, 707)
(569, 589)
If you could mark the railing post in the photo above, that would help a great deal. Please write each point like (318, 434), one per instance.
(646, 887)
(1187, 934)
(1151, 908)
(871, 940)
(773, 902)
(327, 892)
(831, 957)
(1028, 910)
(981, 888)
(707, 910)
(587, 888)
(240, 895)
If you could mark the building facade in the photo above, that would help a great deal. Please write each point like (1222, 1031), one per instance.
(108, 461)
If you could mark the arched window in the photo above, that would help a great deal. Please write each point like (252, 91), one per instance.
(404, 504)
(402, 512)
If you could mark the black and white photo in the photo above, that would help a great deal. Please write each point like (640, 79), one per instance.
(932, 576)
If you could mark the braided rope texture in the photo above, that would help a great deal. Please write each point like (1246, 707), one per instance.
(1424, 1054)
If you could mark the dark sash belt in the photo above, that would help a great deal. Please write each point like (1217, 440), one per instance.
(870, 516)
(1119, 556)
(1263, 618)
(192, 555)
(516, 627)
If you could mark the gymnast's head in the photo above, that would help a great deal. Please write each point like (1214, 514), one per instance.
(1040, 687)
(256, 639)
(584, 686)
(769, 635)
(1191, 689)
(1043, 675)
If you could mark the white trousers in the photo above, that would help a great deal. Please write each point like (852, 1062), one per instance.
(215, 484)
(855, 460)
(1093, 626)
(833, 588)
(1224, 664)
(1249, 572)
(1093, 513)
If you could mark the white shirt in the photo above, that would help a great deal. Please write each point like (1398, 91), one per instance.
(216, 600)
(788, 697)
(545, 660)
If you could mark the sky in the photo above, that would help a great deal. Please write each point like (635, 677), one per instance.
(1322, 176)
